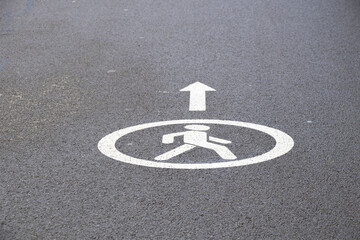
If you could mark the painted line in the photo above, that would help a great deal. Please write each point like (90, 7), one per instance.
(284, 143)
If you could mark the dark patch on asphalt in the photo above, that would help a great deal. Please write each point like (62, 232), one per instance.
(2, 64)
(7, 26)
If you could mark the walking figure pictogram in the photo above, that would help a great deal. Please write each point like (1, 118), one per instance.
(196, 137)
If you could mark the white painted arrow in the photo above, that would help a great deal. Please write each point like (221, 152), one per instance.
(197, 96)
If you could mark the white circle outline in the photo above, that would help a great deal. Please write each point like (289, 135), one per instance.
(284, 143)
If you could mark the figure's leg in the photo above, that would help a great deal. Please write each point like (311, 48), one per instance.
(175, 152)
(223, 151)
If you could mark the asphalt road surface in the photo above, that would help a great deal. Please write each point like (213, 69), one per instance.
(72, 72)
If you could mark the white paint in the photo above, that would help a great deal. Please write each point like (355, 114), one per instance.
(219, 140)
(111, 71)
(309, 121)
(197, 96)
(175, 152)
(284, 143)
(196, 137)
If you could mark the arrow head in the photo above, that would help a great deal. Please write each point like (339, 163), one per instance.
(197, 86)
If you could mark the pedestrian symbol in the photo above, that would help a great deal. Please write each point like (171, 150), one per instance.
(196, 137)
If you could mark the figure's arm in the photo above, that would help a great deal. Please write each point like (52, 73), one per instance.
(169, 138)
(219, 140)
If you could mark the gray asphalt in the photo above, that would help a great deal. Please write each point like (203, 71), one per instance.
(72, 72)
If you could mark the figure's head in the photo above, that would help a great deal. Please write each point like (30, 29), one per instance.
(197, 127)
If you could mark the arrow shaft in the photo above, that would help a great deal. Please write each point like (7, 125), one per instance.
(197, 101)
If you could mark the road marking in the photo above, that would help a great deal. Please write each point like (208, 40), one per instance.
(196, 137)
(284, 143)
(197, 96)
